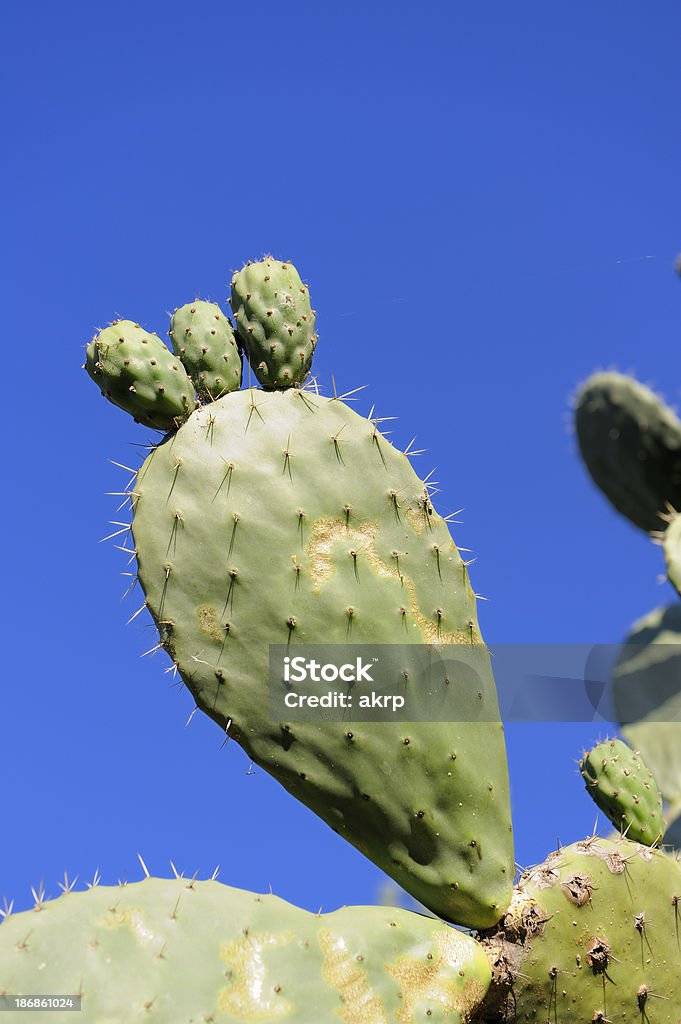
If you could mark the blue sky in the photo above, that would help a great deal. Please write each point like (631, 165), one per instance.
(484, 200)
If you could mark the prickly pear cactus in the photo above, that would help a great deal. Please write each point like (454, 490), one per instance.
(630, 442)
(286, 518)
(179, 950)
(281, 517)
(137, 372)
(625, 790)
(275, 322)
(202, 337)
(592, 935)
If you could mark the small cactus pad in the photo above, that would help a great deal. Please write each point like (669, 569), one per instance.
(275, 322)
(285, 518)
(647, 695)
(186, 951)
(203, 339)
(625, 790)
(592, 935)
(631, 444)
(138, 373)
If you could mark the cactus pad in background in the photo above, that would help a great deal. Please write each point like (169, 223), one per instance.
(592, 935)
(203, 339)
(647, 695)
(671, 542)
(672, 836)
(625, 790)
(180, 950)
(286, 518)
(138, 373)
(631, 444)
(275, 322)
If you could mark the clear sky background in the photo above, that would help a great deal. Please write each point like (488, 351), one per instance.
(484, 200)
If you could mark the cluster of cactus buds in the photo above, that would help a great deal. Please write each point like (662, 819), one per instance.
(185, 950)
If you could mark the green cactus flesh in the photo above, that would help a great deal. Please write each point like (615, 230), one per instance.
(203, 339)
(187, 951)
(275, 322)
(286, 518)
(592, 935)
(630, 442)
(647, 695)
(625, 790)
(139, 374)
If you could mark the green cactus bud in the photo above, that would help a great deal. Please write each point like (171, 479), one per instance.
(135, 371)
(177, 949)
(203, 339)
(592, 935)
(285, 518)
(275, 322)
(630, 442)
(625, 790)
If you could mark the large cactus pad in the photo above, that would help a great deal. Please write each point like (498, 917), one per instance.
(286, 518)
(186, 951)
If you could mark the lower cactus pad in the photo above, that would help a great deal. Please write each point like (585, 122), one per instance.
(199, 952)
